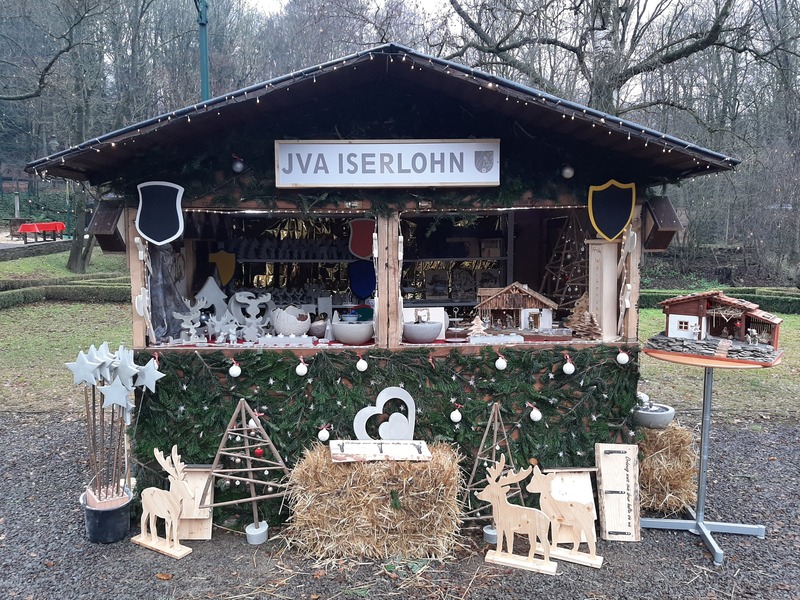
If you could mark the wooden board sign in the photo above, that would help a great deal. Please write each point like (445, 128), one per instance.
(618, 491)
(364, 450)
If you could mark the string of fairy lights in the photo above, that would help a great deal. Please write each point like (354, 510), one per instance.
(526, 97)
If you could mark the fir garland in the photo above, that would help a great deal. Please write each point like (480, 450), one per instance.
(193, 403)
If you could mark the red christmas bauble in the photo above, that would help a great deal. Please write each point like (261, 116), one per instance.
(258, 452)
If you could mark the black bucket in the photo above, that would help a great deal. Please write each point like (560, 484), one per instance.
(107, 525)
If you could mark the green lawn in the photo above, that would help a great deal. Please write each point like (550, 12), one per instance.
(55, 265)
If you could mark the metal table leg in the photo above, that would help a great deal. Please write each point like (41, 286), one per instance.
(697, 524)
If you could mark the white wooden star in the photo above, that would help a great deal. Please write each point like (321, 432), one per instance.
(117, 394)
(149, 375)
(83, 369)
(103, 360)
(126, 369)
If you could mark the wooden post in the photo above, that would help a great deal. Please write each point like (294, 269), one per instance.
(138, 277)
(603, 297)
(388, 326)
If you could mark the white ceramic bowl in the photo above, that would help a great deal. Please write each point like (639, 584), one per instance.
(355, 334)
(291, 320)
(654, 415)
(421, 333)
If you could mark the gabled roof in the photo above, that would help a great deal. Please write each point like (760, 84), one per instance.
(691, 297)
(517, 289)
(718, 297)
(535, 115)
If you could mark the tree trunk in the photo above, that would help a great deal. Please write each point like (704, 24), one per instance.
(76, 263)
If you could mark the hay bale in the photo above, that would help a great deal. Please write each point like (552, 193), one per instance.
(668, 469)
(375, 510)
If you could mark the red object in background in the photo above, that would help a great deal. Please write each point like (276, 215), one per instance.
(52, 227)
(258, 452)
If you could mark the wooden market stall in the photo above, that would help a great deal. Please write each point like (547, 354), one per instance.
(387, 187)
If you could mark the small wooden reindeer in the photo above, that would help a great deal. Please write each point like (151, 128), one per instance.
(579, 516)
(167, 505)
(511, 518)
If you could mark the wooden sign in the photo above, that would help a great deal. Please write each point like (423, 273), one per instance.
(618, 491)
(367, 450)
(196, 518)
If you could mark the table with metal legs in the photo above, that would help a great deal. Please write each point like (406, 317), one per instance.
(697, 524)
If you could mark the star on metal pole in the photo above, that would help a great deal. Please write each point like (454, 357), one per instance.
(149, 375)
(84, 370)
(118, 394)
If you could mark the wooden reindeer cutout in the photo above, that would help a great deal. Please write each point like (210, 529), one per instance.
(577, 515)
(512, 518)
(167, 505)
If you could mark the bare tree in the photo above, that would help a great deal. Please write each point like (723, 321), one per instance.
(32, 48)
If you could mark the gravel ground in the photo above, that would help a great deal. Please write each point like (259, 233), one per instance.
(44, 553)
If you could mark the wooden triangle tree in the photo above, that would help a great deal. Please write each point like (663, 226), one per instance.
(246, 455)
(566, 275)
(495, 441)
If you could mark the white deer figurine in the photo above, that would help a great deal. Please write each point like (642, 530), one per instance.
(512, 518)
(167, 505)
(577, 515)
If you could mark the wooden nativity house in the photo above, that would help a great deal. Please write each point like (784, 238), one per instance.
(515, 306)
(392, 179)
(703, 314)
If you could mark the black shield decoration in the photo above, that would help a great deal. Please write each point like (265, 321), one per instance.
(159, 219)
(611, 207)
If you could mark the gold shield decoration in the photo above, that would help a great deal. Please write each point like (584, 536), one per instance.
(611, 207)
(226, 265)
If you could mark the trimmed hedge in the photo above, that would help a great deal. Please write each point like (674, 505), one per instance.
(17, 284)
(84, 291)
(11, 298)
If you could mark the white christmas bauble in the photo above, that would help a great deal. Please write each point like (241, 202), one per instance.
(536, 414)
(301, 369)
(623, 358)
(235, 370)
(455, 416)
(501, 364)
(568, 368)
(323, 435)
(361, 365)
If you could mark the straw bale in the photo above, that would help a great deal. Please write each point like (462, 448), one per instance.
(375, 509)
(668, 469)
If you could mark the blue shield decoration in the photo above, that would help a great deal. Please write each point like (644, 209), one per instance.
(611, 207)
(159, 219)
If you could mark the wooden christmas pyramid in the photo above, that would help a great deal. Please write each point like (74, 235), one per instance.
(495, 440)
(246, 455)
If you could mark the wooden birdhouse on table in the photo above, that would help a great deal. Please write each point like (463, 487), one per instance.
(716, 327)
(712, 313)
(515, 306)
